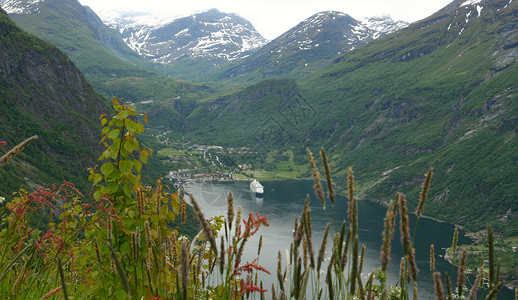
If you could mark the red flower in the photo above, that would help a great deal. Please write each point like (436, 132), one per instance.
(3, 143)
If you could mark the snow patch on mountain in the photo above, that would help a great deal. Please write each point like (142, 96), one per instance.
(479, 10)
(470, 2)
(122, 18)
(20, 7)
(383, 25)
(209, 34)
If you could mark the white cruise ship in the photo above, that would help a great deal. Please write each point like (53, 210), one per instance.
(257, 188)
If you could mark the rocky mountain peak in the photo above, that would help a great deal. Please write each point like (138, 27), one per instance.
(383, 25)
(209, 34)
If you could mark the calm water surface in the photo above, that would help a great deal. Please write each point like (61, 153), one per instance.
(283, 201)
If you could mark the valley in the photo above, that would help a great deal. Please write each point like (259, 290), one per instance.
(387, 98)
(407, 100)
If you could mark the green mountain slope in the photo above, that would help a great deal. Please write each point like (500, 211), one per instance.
(42, 93)
(105, 60)
(441, 93)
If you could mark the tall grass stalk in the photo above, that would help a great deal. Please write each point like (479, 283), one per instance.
(439, 289)
(422, 199)
(62, 277)
(461, 274)
(491, 248)
(15, 151)
(408, 248)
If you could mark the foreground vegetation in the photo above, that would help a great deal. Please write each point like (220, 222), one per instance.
(122, 233)
(505, 253)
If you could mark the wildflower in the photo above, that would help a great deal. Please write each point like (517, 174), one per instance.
(3, 143)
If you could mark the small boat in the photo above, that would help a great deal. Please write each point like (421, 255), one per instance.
(257, 188)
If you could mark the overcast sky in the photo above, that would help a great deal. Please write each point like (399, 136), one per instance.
(273, 17)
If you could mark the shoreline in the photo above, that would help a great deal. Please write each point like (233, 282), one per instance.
(510, 285)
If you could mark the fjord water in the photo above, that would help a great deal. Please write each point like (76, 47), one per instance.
(283, 201)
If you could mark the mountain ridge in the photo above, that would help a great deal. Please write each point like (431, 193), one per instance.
(230, 35)
(94, 48)
(43, 93)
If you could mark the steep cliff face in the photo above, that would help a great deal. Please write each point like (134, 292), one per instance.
(42, 93)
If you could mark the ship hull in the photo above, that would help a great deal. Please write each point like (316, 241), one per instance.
(256, 188)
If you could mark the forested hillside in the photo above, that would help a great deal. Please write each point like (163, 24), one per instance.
(42, 93)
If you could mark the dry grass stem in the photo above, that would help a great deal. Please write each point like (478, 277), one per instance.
(461, 274)
(491, 249)
(306, 221)
(432, 258)
(350, 194)
(362, 259)
(184, 211)
(280, 277)
(354, 265)
(454, 241)
(15, 151)
(204, 224)
(388, 234)
(230, 209)
(222, 256)
(12, 262)
(476, 285)
(51, 293)
(238, 217)
(322, 251)
(494, 291)
(439, 289)
(402, 270)
(147, 228)
(62, 278)
(424, 193)
(330, 187)
(448, 286)
(319, 191)
(260, 246)
(185, 267)
(408, 248)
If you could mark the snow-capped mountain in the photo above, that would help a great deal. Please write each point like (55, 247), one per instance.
(20, 7)
(383, 25)
(210, 34)
(326, 28)
(308, 46)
